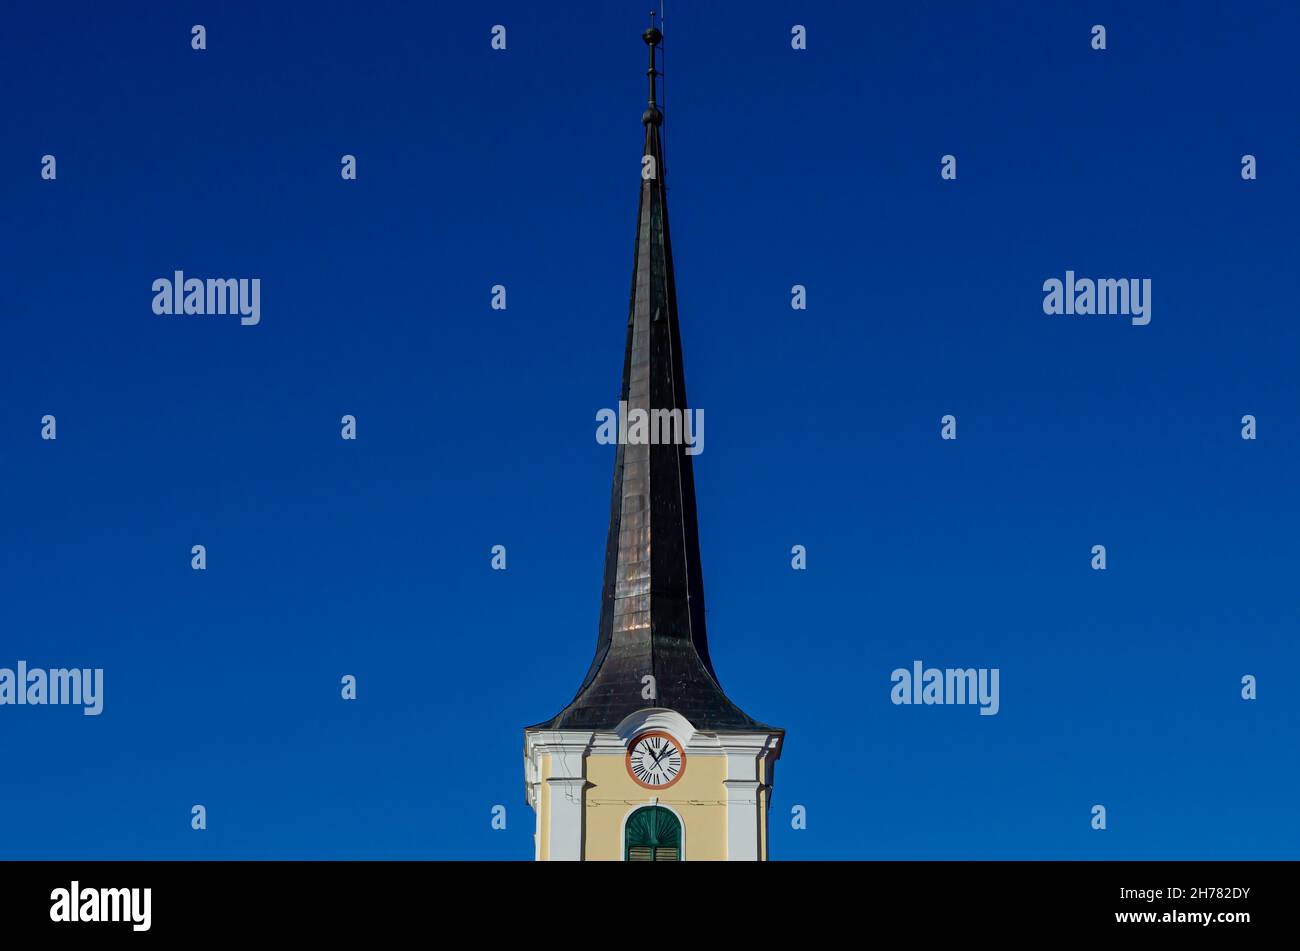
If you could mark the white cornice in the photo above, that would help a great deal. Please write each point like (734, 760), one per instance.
(567, 749)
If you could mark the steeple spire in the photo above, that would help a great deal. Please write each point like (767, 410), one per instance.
(652, 601)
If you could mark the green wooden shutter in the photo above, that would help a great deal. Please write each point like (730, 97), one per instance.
(653, 834)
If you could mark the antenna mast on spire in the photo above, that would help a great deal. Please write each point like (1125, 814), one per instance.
(653, 37)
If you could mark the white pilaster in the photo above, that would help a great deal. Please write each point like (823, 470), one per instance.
(744, 753)
(564, 790)
(742, 820)
(567, 817)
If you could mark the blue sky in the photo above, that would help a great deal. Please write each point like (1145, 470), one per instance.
(475, 426)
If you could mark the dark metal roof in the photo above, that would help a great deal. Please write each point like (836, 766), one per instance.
(652, 603)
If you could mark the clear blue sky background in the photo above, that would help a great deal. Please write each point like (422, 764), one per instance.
(476, 427)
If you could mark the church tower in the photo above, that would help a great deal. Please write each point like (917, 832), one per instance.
(651, 761)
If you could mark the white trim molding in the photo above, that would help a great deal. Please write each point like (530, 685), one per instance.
(566, 790)
(744, 783)
(656, 718)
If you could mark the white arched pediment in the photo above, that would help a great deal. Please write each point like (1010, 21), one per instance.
(656, 718)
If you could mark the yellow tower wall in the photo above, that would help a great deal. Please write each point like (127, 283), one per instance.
(699, 799)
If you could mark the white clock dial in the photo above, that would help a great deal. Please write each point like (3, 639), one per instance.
(655, 760)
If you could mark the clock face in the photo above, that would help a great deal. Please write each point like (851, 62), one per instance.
(655, 760)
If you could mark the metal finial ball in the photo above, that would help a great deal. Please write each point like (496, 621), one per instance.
(652, 116)
(652, 37)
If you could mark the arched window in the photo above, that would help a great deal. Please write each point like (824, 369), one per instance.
(653, 834)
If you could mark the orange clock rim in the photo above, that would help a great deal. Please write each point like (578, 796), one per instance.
(627, 758)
